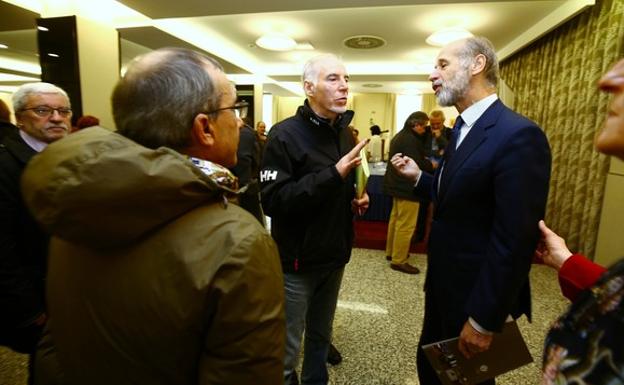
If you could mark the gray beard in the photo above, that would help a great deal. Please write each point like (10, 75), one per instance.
(454, 89)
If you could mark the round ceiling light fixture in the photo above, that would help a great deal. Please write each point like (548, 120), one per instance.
(276, 42)
(364, 42)
(446, 35)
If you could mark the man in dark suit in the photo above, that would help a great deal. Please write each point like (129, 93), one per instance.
(42, 114)
(247, 170)
(488, 194)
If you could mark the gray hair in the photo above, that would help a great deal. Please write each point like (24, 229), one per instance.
(155, 103)
(479, 45)
(312, 68)
(20, 97)
(437, 114)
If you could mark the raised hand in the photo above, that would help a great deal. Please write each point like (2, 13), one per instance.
(351, 159)
(406, 166)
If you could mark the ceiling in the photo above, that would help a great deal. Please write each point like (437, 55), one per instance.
(228, 30)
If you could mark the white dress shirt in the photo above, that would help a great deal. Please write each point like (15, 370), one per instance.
(32, 142)
(472, 114)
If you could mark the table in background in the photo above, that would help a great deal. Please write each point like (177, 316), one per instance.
(380, 203)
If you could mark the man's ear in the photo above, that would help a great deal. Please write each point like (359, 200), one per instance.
(308, 87)
(478, 64)
(202, 132)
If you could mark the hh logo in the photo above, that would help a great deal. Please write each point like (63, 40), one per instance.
(267, 175)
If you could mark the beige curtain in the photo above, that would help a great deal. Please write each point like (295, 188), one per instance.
(554, 82)
(389, 122)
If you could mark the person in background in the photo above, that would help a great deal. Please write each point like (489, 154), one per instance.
(6, 126)
(355, 133)
(307, 182)
(247, 169)
(261, 132)
(435, 144)
(488, 195)
(86, 121)
(586, 344)
(154, 277)
(375, 144)
(436, 123)
(43, 113)
(439, 136)
(410, 141)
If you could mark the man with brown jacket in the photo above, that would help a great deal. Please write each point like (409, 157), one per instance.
(154, 278)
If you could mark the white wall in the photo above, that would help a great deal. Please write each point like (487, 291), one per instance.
(405, 105)
(98, 56)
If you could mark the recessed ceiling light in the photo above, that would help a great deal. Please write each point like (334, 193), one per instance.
(364, 42)
(446, 35)
(53, 55)
(44, 29)
(3, 46)
(276, 42)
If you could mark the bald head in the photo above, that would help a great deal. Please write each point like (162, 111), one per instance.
(470, 48)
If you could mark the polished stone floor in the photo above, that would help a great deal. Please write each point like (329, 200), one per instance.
(378, 323)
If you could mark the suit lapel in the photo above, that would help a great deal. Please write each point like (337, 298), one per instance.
(476, 136)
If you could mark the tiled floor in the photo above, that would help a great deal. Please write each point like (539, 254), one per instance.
(378, 323)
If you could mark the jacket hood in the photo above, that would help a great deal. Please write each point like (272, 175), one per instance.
(100, 189)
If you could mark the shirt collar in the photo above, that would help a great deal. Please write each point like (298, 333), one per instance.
(474, 112)
(32, 142)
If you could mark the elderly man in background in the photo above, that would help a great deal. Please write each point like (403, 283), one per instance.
(42, 114)
(154, 277)
(410, 141)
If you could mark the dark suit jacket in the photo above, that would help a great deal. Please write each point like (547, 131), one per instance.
(484, 232)
(23, 246)
(247, 169)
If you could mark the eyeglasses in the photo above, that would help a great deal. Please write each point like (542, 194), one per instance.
(46, 112)
(240, 110)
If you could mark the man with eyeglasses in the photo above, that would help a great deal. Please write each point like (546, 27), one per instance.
(154, 276)
(42, 113)
(307, 183)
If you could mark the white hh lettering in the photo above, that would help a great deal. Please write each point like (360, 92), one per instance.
(266, 175)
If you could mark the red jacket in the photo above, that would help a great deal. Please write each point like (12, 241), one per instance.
(578, 273)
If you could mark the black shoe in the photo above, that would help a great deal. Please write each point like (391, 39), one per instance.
(333, 355)
(388, 258)
(405, 268)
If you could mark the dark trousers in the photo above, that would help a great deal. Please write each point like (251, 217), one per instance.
(421, 223)
(436, 327)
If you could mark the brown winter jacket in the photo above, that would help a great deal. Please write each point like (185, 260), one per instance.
(153, 278)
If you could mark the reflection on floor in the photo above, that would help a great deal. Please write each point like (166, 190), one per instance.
(378, 323)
